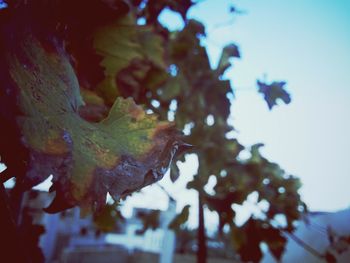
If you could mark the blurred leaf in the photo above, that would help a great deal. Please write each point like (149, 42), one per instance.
(181, 6)
(173, 88)
(339, 243)
(274, 92)
(255, 153)
(117, 44)
(152, 46)
(78, 33)
(250, 250)
(275, 241)
(330, 258)
(150, 220)
(138, 78)
(222, 204)
(184, 240)
(238, 237)
(174, 172)
(153, 8)
(234, 148)
(108, 217)
(180, 219)
(196, 184)
(122, 43)
(292, 184)
(230, 51)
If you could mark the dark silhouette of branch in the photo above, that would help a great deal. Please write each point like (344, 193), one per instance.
(304, 245)
(166, 192)
(202, 239)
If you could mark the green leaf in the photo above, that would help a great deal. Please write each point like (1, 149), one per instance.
(124, 152)
(139, 78)
(230, 51)
(173, 88)
(120, 44)
(94, 108)
(108, 217)
(180, 219)
(255, 153)
(274, 92)
(152, 46)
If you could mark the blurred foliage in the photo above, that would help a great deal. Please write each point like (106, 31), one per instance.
(150, 220)
(108, 218)
(30, 234)
(180, 219)
(200, 94)
(185, 241)
(274, 92)
(338, 244)
(169, 72)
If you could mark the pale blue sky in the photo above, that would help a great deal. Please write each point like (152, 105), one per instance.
(306, 43)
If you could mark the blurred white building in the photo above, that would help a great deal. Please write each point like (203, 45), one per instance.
(69, 237)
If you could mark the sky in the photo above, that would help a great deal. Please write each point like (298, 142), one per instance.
(307, 44)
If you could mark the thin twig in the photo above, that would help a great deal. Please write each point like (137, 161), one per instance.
(166, 192)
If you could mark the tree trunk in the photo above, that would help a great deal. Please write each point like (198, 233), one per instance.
(202, 239)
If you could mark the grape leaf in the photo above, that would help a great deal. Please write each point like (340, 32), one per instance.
(120, 44)
(222, 204)
(150, 220)
(120, 154)
(230, 51)
(250, 250)
(275, 241)
(274, 92)
(180, 219)
(94, 109)
(108, 218)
